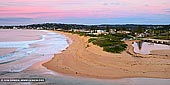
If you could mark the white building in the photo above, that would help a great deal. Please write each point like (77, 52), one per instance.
(124, 32)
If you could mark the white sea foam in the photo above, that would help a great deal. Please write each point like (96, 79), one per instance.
(20, 44)
(25, 55)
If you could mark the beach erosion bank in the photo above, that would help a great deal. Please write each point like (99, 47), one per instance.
(85, 59)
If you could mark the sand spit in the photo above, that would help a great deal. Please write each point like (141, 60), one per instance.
(85, 59)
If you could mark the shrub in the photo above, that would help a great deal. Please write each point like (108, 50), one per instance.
(110, 43)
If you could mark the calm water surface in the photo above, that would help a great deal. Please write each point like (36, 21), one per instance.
(146, 47)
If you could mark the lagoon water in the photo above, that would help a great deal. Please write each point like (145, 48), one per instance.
(33, 46)
(146, 47)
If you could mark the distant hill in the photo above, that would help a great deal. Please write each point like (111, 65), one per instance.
(51, 26)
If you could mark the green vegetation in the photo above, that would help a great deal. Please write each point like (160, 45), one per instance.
(139, 30)
(162, 37)
(110, 43)
(161, 34)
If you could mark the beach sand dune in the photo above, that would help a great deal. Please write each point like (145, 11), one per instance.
(85, 59)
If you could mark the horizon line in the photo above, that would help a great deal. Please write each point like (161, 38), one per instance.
(84, 24)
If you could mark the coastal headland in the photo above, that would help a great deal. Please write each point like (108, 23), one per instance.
(85, 59)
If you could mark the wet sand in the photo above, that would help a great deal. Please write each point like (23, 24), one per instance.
(88, 60)
(163, 52)
(4, 51)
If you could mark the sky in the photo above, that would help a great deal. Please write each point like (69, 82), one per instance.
(18, 12)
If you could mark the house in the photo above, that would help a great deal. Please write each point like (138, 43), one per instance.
(85, 30)
(102, 32)
(124, 32)
(141, 35)
(76, 30)
(112, 31)
(15, 28)
(39, 28)
(59, 29)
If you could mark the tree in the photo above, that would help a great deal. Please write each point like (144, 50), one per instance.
(168, 33)
(139, 30)
(107, 29)
(157, 33)
(124, 28)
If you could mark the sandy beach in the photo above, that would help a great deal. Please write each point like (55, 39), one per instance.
(85, 59)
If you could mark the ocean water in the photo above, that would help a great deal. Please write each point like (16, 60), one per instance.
(30, 52)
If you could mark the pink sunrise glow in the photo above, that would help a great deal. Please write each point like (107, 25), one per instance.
(64, 9)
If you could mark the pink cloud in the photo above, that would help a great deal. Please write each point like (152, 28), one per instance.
(83, 8)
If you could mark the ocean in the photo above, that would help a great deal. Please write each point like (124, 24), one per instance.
(31, 46)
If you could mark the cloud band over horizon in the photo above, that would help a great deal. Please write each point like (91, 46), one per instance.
(85, 11)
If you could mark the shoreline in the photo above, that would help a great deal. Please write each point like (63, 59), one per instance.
(80, 60)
